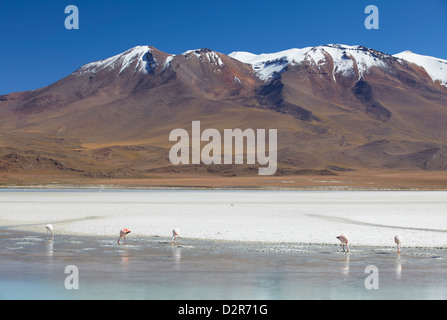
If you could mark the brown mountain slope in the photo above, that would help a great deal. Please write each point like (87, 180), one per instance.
(112, 118)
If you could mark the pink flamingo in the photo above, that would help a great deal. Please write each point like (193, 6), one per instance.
(344, 241)
(123, 233)
(398, 241)
(175, 234)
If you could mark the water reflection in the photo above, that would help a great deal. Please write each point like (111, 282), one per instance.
(177, 257)
(124, 259)
(345, 268)
(398, 267)
(49, 251)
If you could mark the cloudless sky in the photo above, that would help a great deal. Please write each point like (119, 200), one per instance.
(36, 49)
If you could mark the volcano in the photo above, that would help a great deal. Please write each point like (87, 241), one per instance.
(337, 109)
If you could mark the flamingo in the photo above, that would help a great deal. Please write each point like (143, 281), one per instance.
(50, 229)
(398, 241)
(123, 233)
(344, 241)
(175, 234)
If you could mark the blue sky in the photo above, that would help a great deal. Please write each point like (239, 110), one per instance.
(37, 50)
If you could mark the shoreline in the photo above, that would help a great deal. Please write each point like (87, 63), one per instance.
(251, 246)
(368, 180)
(223, 188)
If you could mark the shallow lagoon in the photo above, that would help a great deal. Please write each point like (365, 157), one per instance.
(149, 267)
(33, 267)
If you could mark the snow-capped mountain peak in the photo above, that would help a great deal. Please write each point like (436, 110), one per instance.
(345, 59)
(140, 55)
(436, 68)
(337, 59)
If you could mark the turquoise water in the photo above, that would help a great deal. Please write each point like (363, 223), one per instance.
(32, 267)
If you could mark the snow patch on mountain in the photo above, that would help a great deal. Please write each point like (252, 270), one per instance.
(237, 80)
(196, 52)
(267, 65)
(436, 68)
(205, 55)
(168, 62)
(214, 58)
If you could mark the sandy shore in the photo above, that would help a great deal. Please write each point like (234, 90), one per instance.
(369, 218)
(349, 180)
